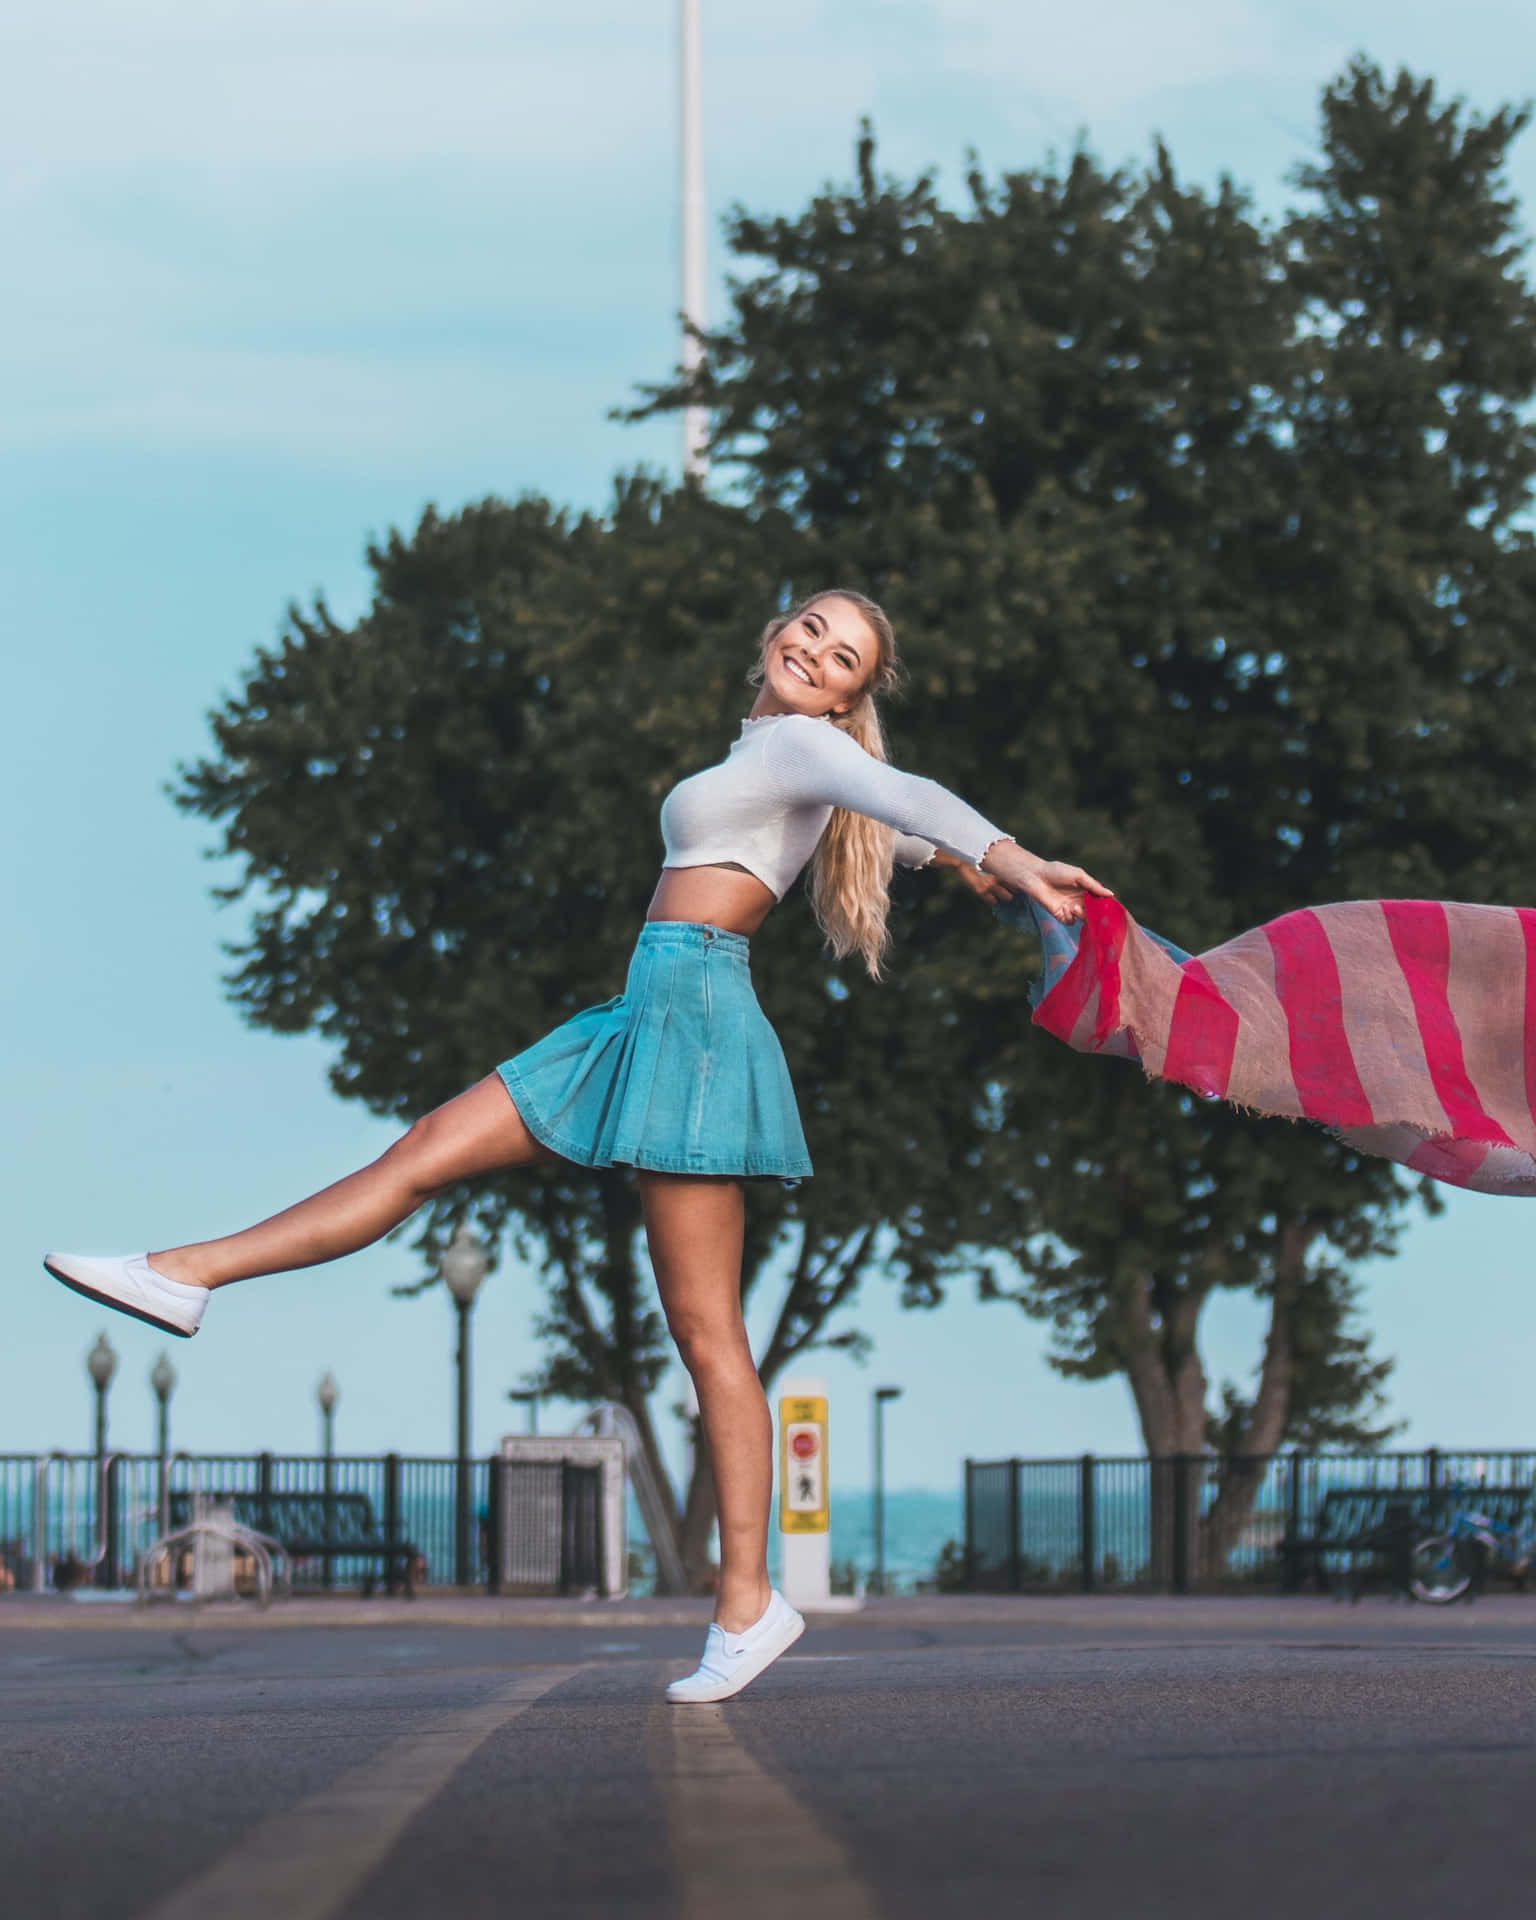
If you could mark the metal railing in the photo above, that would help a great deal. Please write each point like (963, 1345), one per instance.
(69, 1519)
(1182, 1523)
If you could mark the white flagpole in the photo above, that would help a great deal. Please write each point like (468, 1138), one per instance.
(695, 421)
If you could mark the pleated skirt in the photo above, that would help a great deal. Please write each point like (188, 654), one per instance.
(682, 1073)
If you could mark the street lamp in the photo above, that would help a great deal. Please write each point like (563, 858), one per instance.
(328, 1393)
(529, 1396)
(882, 1394)
(101, 1365)
(162, 1378)
(463, 1266)
(693, 216)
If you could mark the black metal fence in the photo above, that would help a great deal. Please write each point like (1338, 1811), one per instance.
(1183, 1523)
(71, 1519)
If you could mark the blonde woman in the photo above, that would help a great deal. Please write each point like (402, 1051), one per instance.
(681, 1077)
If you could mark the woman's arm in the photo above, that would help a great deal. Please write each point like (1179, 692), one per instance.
(914, 853)
(1057, 886)
(812, 762)
(1053, 884)
(982, 884)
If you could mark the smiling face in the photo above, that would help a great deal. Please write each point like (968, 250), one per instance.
(820, 663)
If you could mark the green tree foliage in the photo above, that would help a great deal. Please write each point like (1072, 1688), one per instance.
(1204, 536)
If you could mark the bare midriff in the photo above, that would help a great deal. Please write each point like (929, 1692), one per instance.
(727, 897)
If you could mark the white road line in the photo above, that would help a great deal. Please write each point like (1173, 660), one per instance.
(306, 1863)
(741, 1843)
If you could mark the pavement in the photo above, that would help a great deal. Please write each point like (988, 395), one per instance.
(1065, 1758)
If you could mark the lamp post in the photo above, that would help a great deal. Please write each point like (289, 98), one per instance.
(162, 1379)
(327, 1394)
(101, 1365)
(691, 209)
(463, 1266)
(882, 1394)
(529, 1397)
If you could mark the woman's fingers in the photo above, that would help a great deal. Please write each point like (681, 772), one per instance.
(1060, 890)
(1056, 873)
(986, 887)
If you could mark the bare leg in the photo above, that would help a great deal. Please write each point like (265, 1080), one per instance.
(694, 1227)
(476, 1132)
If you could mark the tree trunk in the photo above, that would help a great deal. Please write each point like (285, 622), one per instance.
(1167, 1381)
(638, 1404)
(1242, 1473)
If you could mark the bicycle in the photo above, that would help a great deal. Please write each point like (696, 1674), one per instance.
(1452, 1564)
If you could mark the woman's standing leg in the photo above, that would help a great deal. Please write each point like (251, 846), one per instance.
(477, 1132)
(694, 1229)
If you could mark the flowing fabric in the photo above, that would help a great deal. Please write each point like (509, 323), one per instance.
(1404, 1026)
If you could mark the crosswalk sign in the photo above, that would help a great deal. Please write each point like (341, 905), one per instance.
(803, 1503)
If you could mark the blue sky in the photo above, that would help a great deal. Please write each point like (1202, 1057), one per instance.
(279, 275)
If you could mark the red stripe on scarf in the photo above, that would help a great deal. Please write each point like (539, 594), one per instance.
(1422, 942)
(1095, 964)
(1106, 921)
(1307, 987)
(1202, 1035)
(1527, 918)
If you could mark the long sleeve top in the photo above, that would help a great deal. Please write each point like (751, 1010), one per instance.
(765, 806)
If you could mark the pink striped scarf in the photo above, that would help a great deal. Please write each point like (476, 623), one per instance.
(1406, 1026)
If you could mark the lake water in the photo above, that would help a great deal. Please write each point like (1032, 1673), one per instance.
(918, 1521)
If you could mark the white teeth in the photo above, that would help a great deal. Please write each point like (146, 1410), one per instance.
(798, 671)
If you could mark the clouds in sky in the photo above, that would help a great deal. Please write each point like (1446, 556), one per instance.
(1114, 54)
(347, 229)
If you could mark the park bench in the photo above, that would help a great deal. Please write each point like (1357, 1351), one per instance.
(1360, 1529)
(318, 1526)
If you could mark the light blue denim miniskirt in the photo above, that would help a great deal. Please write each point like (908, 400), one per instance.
(681, 1074)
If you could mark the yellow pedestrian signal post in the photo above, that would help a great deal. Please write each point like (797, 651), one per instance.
(803, 1464)
(804, 1501)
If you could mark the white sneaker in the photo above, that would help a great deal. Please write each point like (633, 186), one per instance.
(129, 1283)
(732, 1660)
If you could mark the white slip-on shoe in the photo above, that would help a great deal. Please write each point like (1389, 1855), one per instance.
(733, 1660)
(129, 1283)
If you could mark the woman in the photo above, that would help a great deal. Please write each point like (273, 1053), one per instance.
(681, 1077)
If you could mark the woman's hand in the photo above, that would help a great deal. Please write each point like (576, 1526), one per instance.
(985, 886)
(1053, 884)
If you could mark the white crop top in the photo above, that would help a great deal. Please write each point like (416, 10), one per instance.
(768, 803)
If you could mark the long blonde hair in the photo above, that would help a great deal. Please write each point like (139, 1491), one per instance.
(850, 874)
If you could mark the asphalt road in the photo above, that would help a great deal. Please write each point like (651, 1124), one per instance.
(1055, 1759)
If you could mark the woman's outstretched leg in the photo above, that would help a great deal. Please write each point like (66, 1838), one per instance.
(476, 1132)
